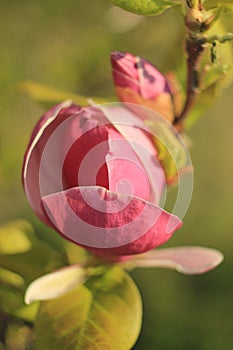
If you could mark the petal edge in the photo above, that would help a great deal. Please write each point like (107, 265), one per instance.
(186, 260)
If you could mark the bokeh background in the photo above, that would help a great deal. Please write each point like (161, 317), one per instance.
(66, 44)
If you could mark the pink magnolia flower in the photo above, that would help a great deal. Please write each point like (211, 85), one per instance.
(137, 81)
(93, 174)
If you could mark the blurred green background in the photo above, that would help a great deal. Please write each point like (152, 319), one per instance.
(66, 44)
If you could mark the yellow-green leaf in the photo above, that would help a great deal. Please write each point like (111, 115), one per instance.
(26, 312)
(13, 238)
(148, 7)
(24, 254)
(172, 152)
(75, 254)
(50, 96)
(10, 278)
(211, 4)
(10, 299)
(104, 314)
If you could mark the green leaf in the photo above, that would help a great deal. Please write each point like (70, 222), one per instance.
(171, 151)
(13, 238)
(10, 299)
(211, 4)
(38, 260)
(204, 102)
(10, 278)
(26, 312)
(12, 303)
(49, 96)
(75, 254)
(105, 314)
(148, 7)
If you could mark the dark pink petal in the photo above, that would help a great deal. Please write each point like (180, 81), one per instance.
(41, 134)
(187, 260)
(126, 172)
(140, 139)
(109, 223)
(138, 74)
(84, 157)
(102, 156)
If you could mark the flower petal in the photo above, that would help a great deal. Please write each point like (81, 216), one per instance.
(138, 74)
(109, 223)
(137, 81)
(43, 130)
(140, 140)
(102, 156)
(187, 260)
(55, 284)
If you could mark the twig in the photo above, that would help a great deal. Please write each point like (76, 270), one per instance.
(196, 24)
(195, 50)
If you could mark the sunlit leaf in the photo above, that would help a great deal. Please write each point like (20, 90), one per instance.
(75, 254)
(105, 314)
(50, 96)
(219, 72)
(13, 238)
(171, 151)
(10, 299)
(40, 259)
(142, 7)
(187, 260)
(26, 312)
(11, 278)
(211, 4)
(12, 303)
(55, 284)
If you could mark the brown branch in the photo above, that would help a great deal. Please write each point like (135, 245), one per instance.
(197, 23)
(194, 22)
(194, 49)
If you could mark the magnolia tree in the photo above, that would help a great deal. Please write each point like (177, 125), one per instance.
(97, 171)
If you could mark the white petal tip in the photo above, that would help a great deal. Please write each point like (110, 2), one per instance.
(55, 284)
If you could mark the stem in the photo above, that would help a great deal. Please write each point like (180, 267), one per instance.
(194, 49)
(196, 24)
(221, 39)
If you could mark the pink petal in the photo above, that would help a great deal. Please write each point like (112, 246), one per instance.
(41, 134)
(138, 74)
(109, 223)
(187, 260)
(123, 69)
(87, 146)
(102, 156)
(139, 138)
